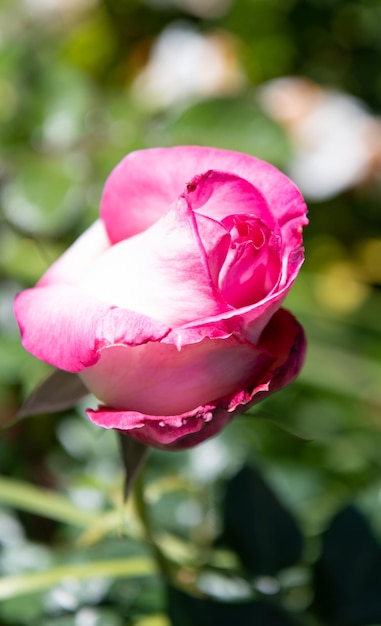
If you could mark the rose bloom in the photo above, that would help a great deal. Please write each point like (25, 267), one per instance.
(168, 306)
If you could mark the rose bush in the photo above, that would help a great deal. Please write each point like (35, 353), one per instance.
(168, 307)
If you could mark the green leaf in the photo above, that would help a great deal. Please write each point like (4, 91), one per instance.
(186, 610)
(348, 572)
(258, 527)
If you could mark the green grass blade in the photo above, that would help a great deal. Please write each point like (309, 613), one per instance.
(18, 585)
(43, 502)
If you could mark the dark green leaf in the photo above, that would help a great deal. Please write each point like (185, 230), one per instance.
(186, 610)
(348, 572)
(258, 526)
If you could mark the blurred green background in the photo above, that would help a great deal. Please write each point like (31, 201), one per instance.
(82, 83)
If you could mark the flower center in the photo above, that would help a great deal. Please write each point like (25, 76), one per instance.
(244, 229)
(252, 265)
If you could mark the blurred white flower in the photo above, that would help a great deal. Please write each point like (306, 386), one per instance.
(337, 142)
(185, 64)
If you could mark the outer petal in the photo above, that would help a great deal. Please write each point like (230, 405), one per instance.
(284, 336)
(177, 432)
(158, 379)
(220, 194)
(169, 272)
(68, 329)
(142, 186)
(145, 183)
(248, 321)
(74, 264)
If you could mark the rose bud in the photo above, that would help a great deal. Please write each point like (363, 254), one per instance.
(168, 307)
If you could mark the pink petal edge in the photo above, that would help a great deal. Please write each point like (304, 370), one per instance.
(145, 183)
(86, 326)
(76, 261)
(183, 431)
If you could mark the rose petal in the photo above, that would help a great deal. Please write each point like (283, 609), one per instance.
(178, 432)
(169, 272)
(68, 329)
(248, 321)
(284, 336)
(220, 194)
(249, 274)
(75, 263)
(158, 379)
(145, 183)
(140, 189)
(252, 268)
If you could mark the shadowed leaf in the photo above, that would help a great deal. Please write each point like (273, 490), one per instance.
(348, 572)
(186, 610)
(258, 527)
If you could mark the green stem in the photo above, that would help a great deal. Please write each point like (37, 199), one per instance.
(142, 510)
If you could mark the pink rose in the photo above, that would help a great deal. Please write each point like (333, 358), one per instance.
(168, 307)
